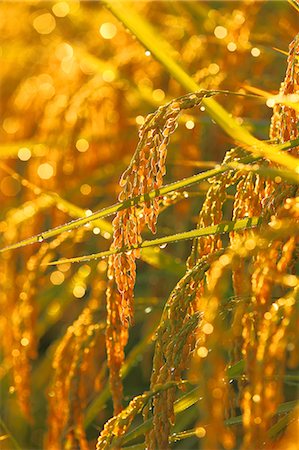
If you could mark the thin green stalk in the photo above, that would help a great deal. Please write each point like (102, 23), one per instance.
(134, 201)
(12, 439)
(49, 198)
(234, 225)
(177, 185)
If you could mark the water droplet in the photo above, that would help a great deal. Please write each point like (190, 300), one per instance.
(174, 438)
(96, 230)
(163, 245)
(40, 238)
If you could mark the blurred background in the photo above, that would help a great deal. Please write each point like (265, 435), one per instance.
(75, 87)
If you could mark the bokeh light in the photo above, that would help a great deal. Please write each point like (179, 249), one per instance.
(61, 9)
(24, 154)
(44, 23)
(45, 171)
(82, 145)
(220, 32)
(108, 30)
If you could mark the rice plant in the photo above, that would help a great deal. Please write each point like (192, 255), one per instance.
(113, 337)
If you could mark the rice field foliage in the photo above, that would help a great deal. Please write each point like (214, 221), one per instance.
(149, 225)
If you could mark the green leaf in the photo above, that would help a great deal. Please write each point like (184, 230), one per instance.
(163, 52)
(234, 225)
(279, 426)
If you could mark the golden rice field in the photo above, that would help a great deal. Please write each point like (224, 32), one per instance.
(149, 225)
